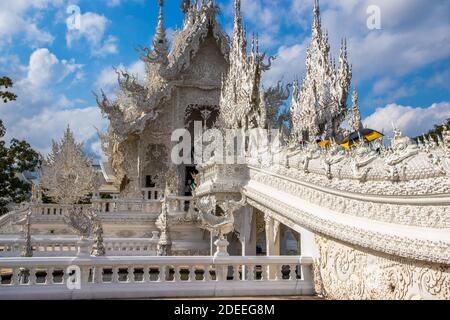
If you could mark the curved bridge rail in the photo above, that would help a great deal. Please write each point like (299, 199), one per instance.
(365, 245)
(145, 277)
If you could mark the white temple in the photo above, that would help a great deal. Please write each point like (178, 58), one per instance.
(294, 218)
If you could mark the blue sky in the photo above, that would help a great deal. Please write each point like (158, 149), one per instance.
(402, 71)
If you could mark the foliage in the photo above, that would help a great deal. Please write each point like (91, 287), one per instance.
(6, 96)
(435, 133)
(15, 159)
(278, 115)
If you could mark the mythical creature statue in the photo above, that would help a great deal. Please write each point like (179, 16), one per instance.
(219, 226)
(80, 220)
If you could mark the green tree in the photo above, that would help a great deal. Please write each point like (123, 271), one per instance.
(6, 95)
(435, 132)
(14, 159)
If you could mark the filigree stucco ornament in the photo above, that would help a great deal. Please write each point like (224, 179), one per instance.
(67, 175)
(242, 103)
(98, 248)
(320, 106)
(80, 220)
(355, 122)
(162, 223)
(344, 272)
(172, 181)
(222, 225)
(446, 148)
(139, 103)
(27, 250)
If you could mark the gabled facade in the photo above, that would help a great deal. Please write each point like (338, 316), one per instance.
(182, 84)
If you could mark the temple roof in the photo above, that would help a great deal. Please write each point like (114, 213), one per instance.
(138, 103)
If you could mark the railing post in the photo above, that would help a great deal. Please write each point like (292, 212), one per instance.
(130, 274)
(15, 277)
(32, 280)
(146, 276)
(177, 275)
(162, 274)
(207, 274)
(85, 270)
(292, 272)
(191, 273)
(278, 271)
(98, 274)
(251, 272)
(236, 272)
(49, 276)
(115, 275)
(264, 273)
(306, 272)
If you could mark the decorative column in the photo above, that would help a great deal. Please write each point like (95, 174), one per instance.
(272, 241)
(247, 235)
(98, 249)
(164, 244)
(27, 250)
(245, 226)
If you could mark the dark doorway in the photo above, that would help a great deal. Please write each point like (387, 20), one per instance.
(191, 171)
(149, 182)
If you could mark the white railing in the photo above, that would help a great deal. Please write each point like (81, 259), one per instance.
(67, 247)
(49, 210)
(152, 193)
(146, 277)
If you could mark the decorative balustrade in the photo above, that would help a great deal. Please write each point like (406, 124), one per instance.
(53, 210)
(152, 194)
(12, 247)
(145, 277)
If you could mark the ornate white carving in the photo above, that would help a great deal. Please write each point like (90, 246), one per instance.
(320, 106)
(67, 176)
(343, 272)
(242, 102)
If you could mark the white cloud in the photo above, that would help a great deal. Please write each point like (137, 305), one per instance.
(40, 114)
(92, 29)
(22, 17)
(44, 67)
(414, 35)
(412, 121)
(50, 124)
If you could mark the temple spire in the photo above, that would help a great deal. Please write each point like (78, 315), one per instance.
(355, 121)
(316, 14)
(185, 6)
(160, 43)
(239, 39)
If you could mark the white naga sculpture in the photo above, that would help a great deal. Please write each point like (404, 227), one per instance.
(219, 226)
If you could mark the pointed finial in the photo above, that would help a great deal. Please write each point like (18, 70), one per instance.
(185, 6)
(253, 42)
(257, 43)
(160, 43)
(237, 5)
(316, 9)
